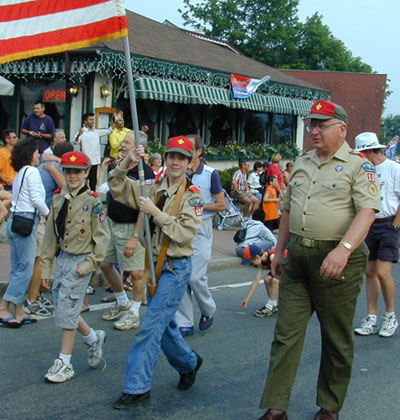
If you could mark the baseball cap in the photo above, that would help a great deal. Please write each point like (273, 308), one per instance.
(75, 160)
(249, 253)
(367, 141)
(325, 110)
(180, 144)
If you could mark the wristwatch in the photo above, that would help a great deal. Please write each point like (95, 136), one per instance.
(135, 235)
(346, 245)
(396, 228)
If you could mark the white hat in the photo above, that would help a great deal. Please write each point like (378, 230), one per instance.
(367, 141)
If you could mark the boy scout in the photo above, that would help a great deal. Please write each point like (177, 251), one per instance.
(159, 329)
(76, 233)
(326, 213)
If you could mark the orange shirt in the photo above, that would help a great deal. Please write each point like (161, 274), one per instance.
(5, 165)
(270, 207)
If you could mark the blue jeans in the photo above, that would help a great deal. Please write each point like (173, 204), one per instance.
(159, 330)
(22, 255)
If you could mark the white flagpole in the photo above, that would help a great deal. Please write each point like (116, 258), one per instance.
(132, 100)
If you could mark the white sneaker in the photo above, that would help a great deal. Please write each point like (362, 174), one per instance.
(95, 351)
(116, 311)
(389, 326)
(59, 372)
(128, 321)
(368, 326)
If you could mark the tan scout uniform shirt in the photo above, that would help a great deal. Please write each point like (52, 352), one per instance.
(181, 228)
(324, 198)
(86, 231)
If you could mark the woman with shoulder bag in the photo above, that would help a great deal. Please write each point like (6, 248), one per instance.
(28, 203)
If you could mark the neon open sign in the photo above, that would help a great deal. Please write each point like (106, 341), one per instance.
(54, 95)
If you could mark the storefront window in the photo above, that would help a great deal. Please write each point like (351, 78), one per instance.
(5, 112)
(181, 122)
(255, 127)
(53, 94)
(283, 128)
(223, 128)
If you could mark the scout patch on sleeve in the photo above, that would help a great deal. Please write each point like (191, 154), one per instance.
(102, 217)
(197, 203)
(373, 189)
(371, 177)
(368, 167)
(98, 208)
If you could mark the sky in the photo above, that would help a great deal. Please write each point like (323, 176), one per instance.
(367, 28)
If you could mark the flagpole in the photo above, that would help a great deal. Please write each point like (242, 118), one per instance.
(132, 100)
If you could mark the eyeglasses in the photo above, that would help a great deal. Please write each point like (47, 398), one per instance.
(320, 127)
(71, 171)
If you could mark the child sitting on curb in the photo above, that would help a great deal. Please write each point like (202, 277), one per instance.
(254, 255)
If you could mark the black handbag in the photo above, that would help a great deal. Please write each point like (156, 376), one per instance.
(21, 224)
(240, 235)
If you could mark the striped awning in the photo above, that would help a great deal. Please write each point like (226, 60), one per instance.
(197, 94)
(162, 90)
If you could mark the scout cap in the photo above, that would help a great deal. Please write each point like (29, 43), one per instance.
(181, 145)
(324, 110)
(367, 141)
(249, 253)
(75, 160)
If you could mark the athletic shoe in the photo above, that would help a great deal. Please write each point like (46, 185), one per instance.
(59, 372)
(265, 312)
(368, 326)
(127, 401)
(128, 321)
(95, 351)
(188, 379)
(205, 322)
(186, 331)
(46, 303)
(37, 309)
(116, 311)
(389, 326)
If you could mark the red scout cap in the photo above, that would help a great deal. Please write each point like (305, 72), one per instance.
(75, 160)
(181, 145)
(324, 110)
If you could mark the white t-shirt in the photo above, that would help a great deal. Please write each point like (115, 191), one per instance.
(389, 181)
(90, 142)
(49, 151)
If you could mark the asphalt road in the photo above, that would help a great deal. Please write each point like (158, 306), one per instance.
(228, 386)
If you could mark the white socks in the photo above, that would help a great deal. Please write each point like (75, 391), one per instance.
(66, 358)
(135, 307)
(122, 298)
(271, 303)
(91, 338)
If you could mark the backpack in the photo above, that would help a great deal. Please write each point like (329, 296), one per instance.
(240, 235)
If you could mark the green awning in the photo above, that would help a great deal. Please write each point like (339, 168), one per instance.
(208, 95)
(162, 90)
(197, 94)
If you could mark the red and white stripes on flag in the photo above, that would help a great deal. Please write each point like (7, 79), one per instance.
(37, 27)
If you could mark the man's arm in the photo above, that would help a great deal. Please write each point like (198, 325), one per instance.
(57, 176)
(218, 205)
(48, 157)
(336, 260)
(276, 266)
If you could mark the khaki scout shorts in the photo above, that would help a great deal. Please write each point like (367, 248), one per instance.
(241, 195)
(120, 233)
(40, 234)
(69, 290)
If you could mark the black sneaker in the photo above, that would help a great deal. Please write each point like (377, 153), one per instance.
(188, 379)
(127, 401)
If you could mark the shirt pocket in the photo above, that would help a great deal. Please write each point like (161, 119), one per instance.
(336, 185)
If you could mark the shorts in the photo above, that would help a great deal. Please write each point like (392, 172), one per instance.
(272, 224)
(383, 241)
(69, 289)
(241, 195)
(120, 233)
(41, 228)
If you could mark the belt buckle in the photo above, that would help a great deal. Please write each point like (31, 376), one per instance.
(308, 243)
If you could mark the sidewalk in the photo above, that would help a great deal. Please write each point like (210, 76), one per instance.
(223, 255)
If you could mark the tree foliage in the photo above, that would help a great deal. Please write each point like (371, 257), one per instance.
(270, 31)
(390, 127)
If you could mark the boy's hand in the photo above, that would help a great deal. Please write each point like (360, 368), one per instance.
(148, 207)
(130, 247)
(79, 271)
(244, 303)
(46, 283)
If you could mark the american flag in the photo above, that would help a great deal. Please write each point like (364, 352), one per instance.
(31, 28)
(390, 149)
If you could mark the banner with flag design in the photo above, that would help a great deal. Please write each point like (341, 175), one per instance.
(243, 87)
(30, 28)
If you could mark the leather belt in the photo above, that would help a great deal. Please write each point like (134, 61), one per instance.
(314, 243)
(384, 219)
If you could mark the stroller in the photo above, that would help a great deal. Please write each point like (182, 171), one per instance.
(230, 217)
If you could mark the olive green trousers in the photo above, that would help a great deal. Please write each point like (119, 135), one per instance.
(303, 291)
